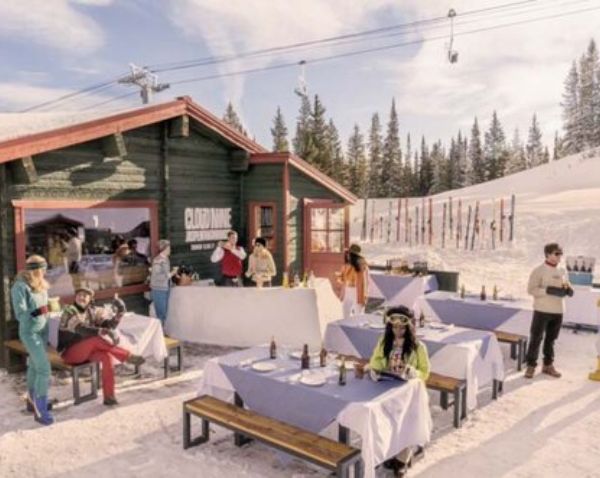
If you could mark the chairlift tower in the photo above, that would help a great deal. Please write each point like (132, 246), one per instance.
(302, 88)
(452, 54)
(145, 80)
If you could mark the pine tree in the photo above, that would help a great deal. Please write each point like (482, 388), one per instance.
(439, 164)
(375, 158)
(589, 70)
(232, 119)
(406, 188)
(303, 141)
(517, 159)
(476, 160)
(339, 167)
(426, 170)
(546, 155)
(573, 139)
(494, 149)
(392, 156)
(558, 150)
(357, 162)
(459, 170)
(534, 148)
(279, 133)
(323, 157)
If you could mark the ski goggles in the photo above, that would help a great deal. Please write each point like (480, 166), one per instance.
(398, 319)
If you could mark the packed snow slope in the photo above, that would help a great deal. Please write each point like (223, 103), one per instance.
(555, 202)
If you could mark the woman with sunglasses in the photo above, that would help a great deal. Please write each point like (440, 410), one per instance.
(549, 286)
(399, 352)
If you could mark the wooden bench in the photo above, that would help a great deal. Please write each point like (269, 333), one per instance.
(329, 454)
(518, 346)
(173, 345)
(457, 388)
(56, 361)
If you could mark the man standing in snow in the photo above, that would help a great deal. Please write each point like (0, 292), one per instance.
(230, 255)
(548, 285)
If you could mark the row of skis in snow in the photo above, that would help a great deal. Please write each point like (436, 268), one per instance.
(461, 227)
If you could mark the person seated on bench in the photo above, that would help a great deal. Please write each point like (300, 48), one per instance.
(29, 297)
(399, 352)
(86, 334)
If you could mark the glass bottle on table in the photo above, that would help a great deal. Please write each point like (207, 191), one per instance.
(462, 291)
(483, 295)
(305, 279)
(323, 356)
(286, 281)
(296, 280)
(305, 358)
(495, 292)
(343, 372)
(422, 320)
(273, 349)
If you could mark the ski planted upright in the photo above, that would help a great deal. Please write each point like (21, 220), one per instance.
(475, 225)
(493, 224)
(502, 218)
(389, 223)
(398, 219)
(407, 234)
(430, 222)
(459, 224)
(468, 226)
(444, 226)
(450, 215)
(511, 219)
(372, 232)
(417, 225)
(423, 221)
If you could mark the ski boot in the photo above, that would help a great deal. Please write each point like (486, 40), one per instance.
(41, 413)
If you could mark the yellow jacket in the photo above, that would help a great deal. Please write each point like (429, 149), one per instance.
(418, 359)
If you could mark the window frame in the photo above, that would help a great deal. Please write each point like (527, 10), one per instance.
(20, 207)
(252, 224)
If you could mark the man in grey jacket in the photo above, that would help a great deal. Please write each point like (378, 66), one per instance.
(548, 284)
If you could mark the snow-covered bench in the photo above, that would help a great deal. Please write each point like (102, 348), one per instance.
(247, 425)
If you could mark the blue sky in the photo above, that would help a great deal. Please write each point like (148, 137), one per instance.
(49, 48)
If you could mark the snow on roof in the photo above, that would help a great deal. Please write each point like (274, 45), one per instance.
(17, 125)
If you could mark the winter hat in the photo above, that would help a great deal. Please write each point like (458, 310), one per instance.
(163, 244)
(87, 290)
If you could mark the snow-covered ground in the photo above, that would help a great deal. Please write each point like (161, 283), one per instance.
(541, 428)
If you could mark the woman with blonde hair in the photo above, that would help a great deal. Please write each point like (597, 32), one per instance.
(29, 297)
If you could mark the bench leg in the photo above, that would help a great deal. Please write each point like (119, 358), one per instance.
(521, 354)
(457, 407)
(496, 388)
(188, 441)
(464, 403)
(513, 351)
(359, 468)
(94, 369)
(238, 438)
(343, 435)
(167, 361)
(343, 470)
(444, 400)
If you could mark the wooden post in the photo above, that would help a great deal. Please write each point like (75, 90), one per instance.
(398, 229)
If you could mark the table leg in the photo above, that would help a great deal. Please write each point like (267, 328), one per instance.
(238, 438)
(343, 435)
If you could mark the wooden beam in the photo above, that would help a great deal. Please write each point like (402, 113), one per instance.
(23, 171)
(180, 127)
(114, 146)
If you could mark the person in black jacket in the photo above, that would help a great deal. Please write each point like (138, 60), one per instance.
(86, 334)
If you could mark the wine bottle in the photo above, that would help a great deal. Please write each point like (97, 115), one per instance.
(273, 349)
(422, 320)
(305, 359)
(462, 291)
(305, 279)
(495, 293)
(342, 377)
(323, 357)
(482, 296)
(286, 281)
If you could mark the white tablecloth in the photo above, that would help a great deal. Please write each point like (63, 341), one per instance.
(583, 308)
(465, 354)
(138, 334)
(398, 289)
(388, 416)
(247, 316)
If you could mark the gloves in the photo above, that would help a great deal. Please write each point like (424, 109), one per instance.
(556, 291)
(373, 375)
(43, 310)
(570, 291)
(114, 337)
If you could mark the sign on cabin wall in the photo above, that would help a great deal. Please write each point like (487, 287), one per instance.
(204, 227)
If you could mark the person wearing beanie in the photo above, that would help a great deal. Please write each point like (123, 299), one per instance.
(548, 284)
(29, 297)
(87, 334)
(160, 280)
(354, 277)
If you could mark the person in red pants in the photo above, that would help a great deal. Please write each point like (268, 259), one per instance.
(87, 335)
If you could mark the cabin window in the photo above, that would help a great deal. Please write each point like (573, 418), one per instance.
(105, 246)
(263, 222)
(327, 229)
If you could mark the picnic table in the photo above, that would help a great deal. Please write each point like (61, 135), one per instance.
(388, 415)
(466, 354)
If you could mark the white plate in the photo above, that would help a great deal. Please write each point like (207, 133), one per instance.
(264, 367)
(437, 326)
(313, 380)
(376, 325)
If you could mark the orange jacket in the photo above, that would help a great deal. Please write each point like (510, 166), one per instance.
(349, 276)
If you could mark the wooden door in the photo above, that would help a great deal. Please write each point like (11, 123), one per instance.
(326, 237)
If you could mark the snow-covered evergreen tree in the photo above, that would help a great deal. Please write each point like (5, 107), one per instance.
(425, 170)
(375, 158)
(588, 90)
(517, 160)
(279, 133)
(534, 148)
(440, 181)
(303, 140)
(558, 149)
(323, 154)
(573, 137)
(232, 119)
(357, 161)
(477, 164)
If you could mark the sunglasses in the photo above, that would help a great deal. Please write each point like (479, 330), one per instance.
(399, 318)
(557, 254)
